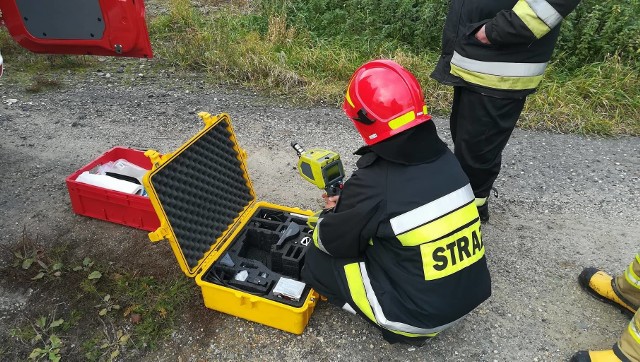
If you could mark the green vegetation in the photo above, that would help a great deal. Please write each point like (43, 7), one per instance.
(41, 335)
(152, 304)
(599, 29)
(107, 311)
(308, 49)
(311, 47)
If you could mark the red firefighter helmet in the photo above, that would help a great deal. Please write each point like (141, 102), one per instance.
(384, 99)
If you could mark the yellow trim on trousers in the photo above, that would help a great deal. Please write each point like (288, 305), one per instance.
(629, 342)
(628, 285)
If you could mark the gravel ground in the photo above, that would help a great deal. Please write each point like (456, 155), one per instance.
(565, 202)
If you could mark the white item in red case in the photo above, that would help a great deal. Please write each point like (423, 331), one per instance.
(110, 183)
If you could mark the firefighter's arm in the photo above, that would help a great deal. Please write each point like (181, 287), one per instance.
(527, 21)
(345, 230)
(345, 234)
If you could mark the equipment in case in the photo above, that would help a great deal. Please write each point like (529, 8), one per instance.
(245, 255)
(265, 259)
(109, 205)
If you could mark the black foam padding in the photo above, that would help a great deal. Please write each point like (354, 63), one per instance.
(262, 239)
(202, 191)
(293, 260)
(276, 259)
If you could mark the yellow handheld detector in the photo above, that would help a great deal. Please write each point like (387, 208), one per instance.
(321, 167)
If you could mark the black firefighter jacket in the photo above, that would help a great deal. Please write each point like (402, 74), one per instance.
(522, 33)
(414, 236)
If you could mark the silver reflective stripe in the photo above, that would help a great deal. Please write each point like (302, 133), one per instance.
(391, 325)
(347, 307)
(319, 242)
(545, 12)
(499, 68)
(634, 330)
(432, 210)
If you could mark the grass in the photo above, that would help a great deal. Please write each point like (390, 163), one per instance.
(152, 304)
(260, 49)
(269, 54)
(42, 83)
(600, 98)
(106, 310)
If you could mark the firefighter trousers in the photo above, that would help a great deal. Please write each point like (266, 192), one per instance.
(480, 128)
(628, 285)
(326, 275)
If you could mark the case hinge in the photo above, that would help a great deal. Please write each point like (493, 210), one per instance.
(208, 118)
(156, 158)
(158, 235)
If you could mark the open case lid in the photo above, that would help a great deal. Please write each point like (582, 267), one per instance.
(199, 192)
(85, 27)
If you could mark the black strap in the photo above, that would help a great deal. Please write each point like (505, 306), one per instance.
(362, 117)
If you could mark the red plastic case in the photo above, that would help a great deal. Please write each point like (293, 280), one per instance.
(113, 206)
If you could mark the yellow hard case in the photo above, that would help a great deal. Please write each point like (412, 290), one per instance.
(220, 297)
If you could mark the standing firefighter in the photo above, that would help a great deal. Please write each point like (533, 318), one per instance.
(403, 246)
(622, 291)
(494, 53)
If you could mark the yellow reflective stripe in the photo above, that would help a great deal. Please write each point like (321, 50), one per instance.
(365, 299)
(479, 201)
(402, 120)
(356, 288)
(348, 97)
(529, 17)
(499, 75)
(631, 277)
(439, 227)
(413, 334)
(633, 330)
(316, 238)
(497, 81)
(453, 253)
(405, 118)
(504, 69)
(432, 210)
(638, 258)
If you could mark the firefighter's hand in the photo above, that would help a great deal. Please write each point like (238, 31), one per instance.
(330, 201)
(481, 35)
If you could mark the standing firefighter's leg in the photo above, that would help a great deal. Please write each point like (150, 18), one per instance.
(629, 344)
(480, 128)
(628, 284)
(624, 292)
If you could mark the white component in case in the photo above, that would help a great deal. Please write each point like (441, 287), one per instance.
(289, 289)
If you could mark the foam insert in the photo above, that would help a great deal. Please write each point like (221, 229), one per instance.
(202, 191)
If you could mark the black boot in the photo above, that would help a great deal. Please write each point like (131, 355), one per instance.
(483, 205)
(484, 212)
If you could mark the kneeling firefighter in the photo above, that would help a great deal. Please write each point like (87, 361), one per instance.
(402, 245)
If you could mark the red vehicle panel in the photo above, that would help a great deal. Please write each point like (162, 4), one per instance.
(90, 27)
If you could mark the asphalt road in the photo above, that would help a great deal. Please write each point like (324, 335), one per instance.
(565, 202)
